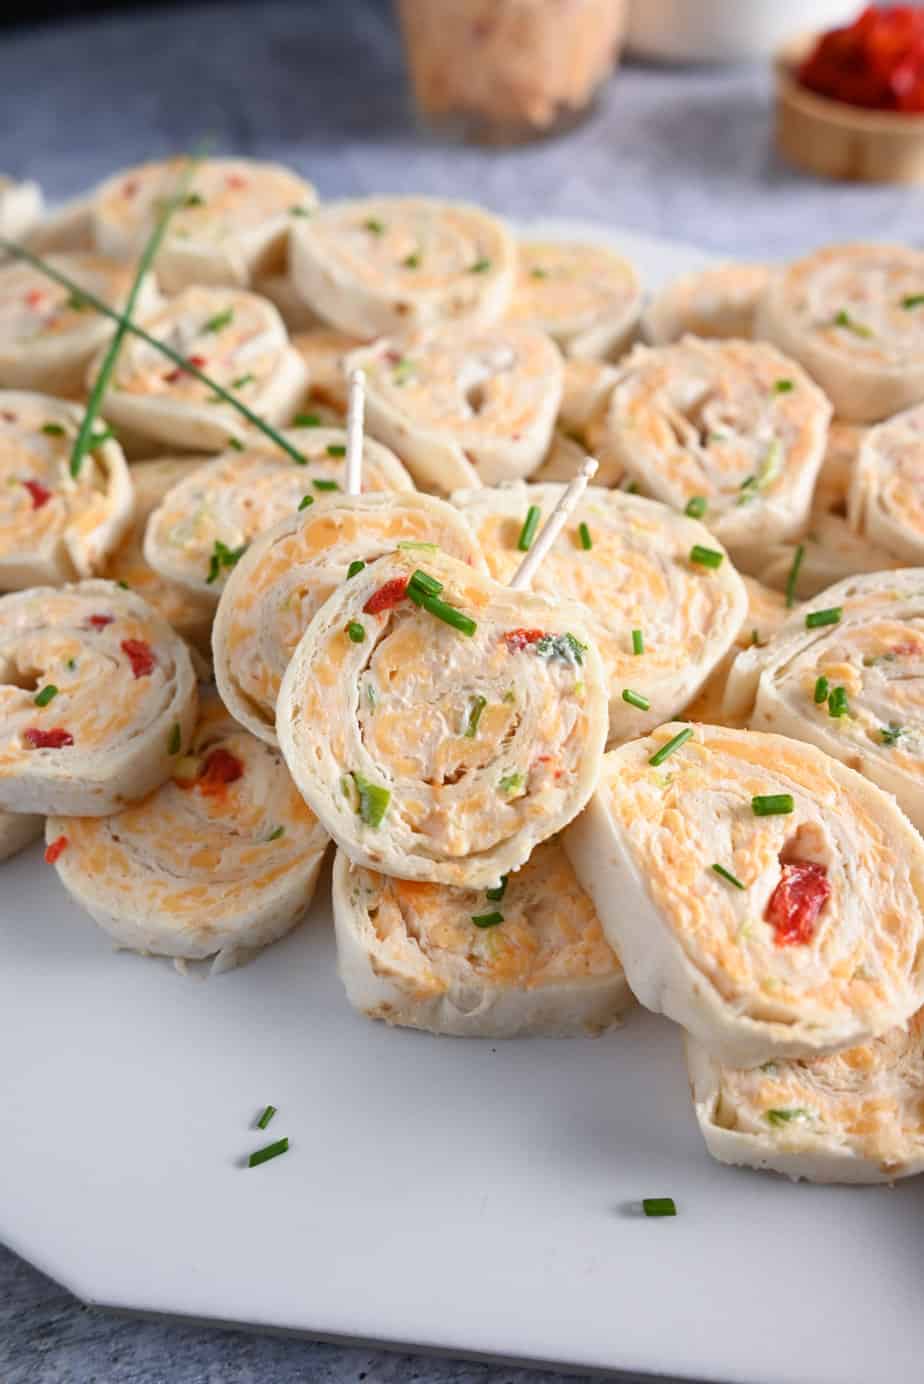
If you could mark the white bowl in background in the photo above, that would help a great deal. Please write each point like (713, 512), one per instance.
(725, 30)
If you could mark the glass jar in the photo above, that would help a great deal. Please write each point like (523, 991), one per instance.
(506, 71)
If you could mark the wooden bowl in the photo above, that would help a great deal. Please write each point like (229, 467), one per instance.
(835, 140)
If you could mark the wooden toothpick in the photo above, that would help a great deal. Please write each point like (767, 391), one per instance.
(354, 444)
(553, 526)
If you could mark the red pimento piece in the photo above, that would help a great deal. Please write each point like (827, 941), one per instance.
(198, 362)
(40, 493)
(235, 180)
(220, 768)
(57, 739)
(518, 640)
(905, 650)
(796, 902)
(140, 655)
(35, 297)
(55, 849)
(387, 596)
(99, 622)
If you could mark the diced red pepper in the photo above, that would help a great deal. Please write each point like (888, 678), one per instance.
(199, 362)
(220, 768)
(797, 900)
(57, 739)
(40, 493)
(387, 596)
(518, 640)
(35, 297)
(235, 180)
(140, 655)
(55, 849)
(99, 622)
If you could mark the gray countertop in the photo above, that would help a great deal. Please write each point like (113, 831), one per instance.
(684, 154)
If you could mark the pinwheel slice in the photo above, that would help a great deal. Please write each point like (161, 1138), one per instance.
(95, 688)
(440, 725)
(232, 228)
(17, 831)
(886, 499)
(528, 957)
(190, 615)
(853, 1116)
(239, 341)
(625, 562)
(464, 405)
(758, 892)
(204, 524)
(720, 301)
(766, 612)
(288, 573)
(846, 673)
(853, 315)
(55, 526)
(324, 352)
(281, 292)
(734, 424)
(381, 265)
(586, 297)
(20, 207)
(585, 390)
(222, 860)
(49, 335)
(69, 227)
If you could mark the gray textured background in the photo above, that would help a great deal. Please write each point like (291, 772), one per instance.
(684, 154)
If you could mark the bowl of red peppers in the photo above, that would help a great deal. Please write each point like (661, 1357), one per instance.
(850, 101)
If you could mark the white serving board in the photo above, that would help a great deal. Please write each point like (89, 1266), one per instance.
(474, 1197)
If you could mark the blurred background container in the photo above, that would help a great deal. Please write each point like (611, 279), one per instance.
(724, 30)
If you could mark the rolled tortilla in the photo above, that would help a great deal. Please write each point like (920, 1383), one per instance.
(382, 265)
(410, 953)
(853, 315)
(718, 302)
(324, 352)
(94, 690)
(204, 524)
(766, 611)
(238, 340)
(636, 575)
(733, 424)
(55, 527)
(885, 504)
(222, 860)
(816, 941)
(232, 228)
(281, 292)
(462, 405)
(870, 658)
(587, 298)
(288, 573)
(432, 753)
(68, 228)
(17, 831)
(48, 336)
(853, 1116)
(585, 389)
(190, 615)
(20, 207)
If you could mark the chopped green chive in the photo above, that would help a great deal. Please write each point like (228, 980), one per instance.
(355, 567)
(374, 226)
(242, 380)
(223, 556)
(783, 387)
(270, 1110)
(422, 584)
(373, 800)
(46, 695)
(817, 618)
(638, 642)
(299, 211)
(793, 577)
(632, 488)
(53, 429)
(889, 734)
(194, 200)
(474, 716)
(276, 833)
(528, 531)
(727, 875)
(71, 664)
(487, 919)
(219, 321)
(772, 804)
(306, 420)
(497, 893)
(336, 449)
(844, 319)
(636, 699)
(538, 273)
(325, 485)
(706, 557)
(584, 535)
(265, 1154)
(481, 266)
(356, 632)
(411, 261)
(912, 300)
(696, 507)
(410, 547)
(77, 302)
(673, 744)
(174, 739)
(821, 690)
(837, 702)
(511, 782)
(305, 501)
(403, 370)
(783, 1117)
(235, 445)
(659, 1206)
(124, 585)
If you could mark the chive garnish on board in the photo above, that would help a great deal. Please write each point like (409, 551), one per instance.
(121, 319)
(528, 531)
(83, 440)
(270, 1151)
(659, 1206)
(267, 1115)
(727, 875)
(794, 576)
(772, 804)
(670, 746)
